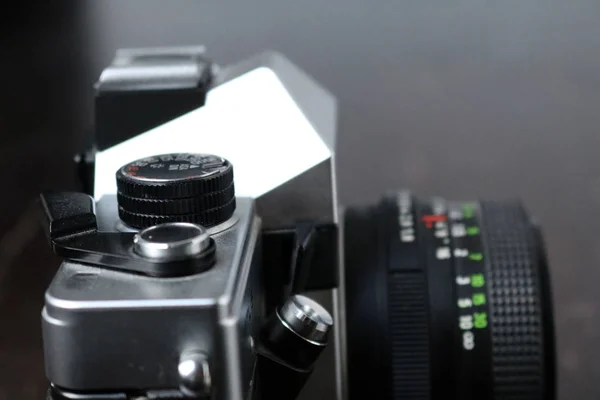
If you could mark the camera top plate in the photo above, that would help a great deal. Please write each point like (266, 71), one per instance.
(272, 121)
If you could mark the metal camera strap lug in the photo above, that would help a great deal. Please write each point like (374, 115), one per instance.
(312, 265)
(296, 260)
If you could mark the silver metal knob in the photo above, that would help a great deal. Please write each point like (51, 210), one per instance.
(194, 374)
(307, 318)
(171, 241)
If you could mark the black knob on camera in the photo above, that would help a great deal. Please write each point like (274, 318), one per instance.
(291, 342)
(180, 187)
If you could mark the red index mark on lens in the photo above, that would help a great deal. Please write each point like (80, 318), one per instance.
(431, 219)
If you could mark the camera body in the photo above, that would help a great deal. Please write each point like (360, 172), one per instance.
(112, 325)
(94, 317)
(183, 281)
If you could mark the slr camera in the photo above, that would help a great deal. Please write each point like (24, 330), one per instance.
(207, 220)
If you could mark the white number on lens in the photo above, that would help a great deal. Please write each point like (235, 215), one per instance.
(468, 340)
(456, 214)
(406, 221)
(466, 322)
(443, 253)
(459, 253)
(465, 303)
(407, 235)
(459, 230)
(463, 280)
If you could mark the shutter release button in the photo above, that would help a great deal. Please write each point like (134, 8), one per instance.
(171, 241)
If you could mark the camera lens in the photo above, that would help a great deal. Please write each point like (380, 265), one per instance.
(446, 300)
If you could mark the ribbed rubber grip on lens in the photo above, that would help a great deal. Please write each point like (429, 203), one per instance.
(409, 335)
(518, 359)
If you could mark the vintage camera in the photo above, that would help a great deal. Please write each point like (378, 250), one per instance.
(182, 279)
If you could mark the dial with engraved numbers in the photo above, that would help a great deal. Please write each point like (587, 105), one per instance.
(177, 187)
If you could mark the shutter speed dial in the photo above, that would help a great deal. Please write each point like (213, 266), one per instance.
(178, 187)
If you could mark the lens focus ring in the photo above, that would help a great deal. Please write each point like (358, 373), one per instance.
(520, 364)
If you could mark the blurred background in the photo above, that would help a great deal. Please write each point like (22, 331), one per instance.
(464, 99)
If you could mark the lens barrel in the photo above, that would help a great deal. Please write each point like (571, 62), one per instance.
(447, 300)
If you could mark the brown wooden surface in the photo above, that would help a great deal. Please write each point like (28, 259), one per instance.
(471, 99)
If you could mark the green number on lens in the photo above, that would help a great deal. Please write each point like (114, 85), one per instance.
(478, 299)
(480, 320)
(477, 280)
(468, 211)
